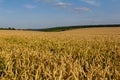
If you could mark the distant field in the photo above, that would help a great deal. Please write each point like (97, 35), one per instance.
(80, 54)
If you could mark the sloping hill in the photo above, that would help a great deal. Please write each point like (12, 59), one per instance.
(64, 28)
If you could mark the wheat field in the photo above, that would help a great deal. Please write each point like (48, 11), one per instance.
(81, 54)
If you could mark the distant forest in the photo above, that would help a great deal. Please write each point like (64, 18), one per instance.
(9, 28)
(63, 28)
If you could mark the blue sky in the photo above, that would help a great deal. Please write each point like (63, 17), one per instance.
(52, 13)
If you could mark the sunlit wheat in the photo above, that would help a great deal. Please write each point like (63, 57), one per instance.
(83, 54)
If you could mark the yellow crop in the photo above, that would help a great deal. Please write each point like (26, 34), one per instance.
(83, 54)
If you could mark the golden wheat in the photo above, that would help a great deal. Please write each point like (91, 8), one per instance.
(83, 54)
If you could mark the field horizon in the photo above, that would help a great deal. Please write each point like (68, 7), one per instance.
(64, 28)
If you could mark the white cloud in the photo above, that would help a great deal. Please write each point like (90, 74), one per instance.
(82, 9)
(29, 6)
(45, 0)
(63, 4)
(58, 3)
(92, 2)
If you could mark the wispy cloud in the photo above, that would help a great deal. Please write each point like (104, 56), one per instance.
(45, 0)
(63, 4)
(92, 2)
(56, 3)
(29, 6)
(82, 9)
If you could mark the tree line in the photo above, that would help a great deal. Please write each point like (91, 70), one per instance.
(9, 28)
